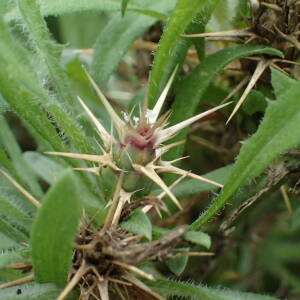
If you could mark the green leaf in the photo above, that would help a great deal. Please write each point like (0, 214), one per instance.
(158, 232)
(255, 102)
(178, 264)
(32, 291)
(276, 134)
(195, 84)
(79, 31)
(47, 50)
(199, 238)
(192, 186)
(12, 231)
(172, 47)
(54, 231)
(7, 242)
(124, 6)
(120, 32)
(295, 219)
(274, 252)
(58, 7)
(14, 256)
(19, 86)
(169, 288)
(138, 223)
(45, 167)
(5, 161)
(4, 106)
(154, 14)
(280, 82)
(15, 153)
(14, 212)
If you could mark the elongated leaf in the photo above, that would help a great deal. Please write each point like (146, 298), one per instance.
(4, 161)
(277, 133)
(273, 252)
(170, 288)
(12, 232)
(14, 256)
(295, 219)
(121, 32)
(54, 231)
(13, 211)
(192, 186)
(124, 6)
(58, 7)
(32, 291)
(138, 223)
(47, 50)
(198, 25)
(6, 242)
(15, 153)
(169, 53)
(44, 166)
(195, 84)
(79, 31)
(19, 87)
(27, 108)
(16, 70)
(4, 106)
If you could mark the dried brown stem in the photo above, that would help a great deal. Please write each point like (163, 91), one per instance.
(114, 205)
(17, 282)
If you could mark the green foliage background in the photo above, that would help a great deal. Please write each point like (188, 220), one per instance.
(40, 76)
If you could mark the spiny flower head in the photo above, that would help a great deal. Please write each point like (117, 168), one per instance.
(137, 151)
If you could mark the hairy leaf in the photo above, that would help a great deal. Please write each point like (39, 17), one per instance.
(54, 231)
(280, 82)
(172, 47)
(16, 70)
(138, 223)
(121, 32)
(19, 86)
(11, 231)
(47, 50)
(4, 106)
(195, 84)
(275, 135)
(6, 243)
(32, 291)
(14, 256)
(15, 153)
(58, 7)
(13, 211)
(5, 161)
(45, 167)
(170, 288)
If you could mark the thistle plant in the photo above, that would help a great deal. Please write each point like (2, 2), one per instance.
(135, 156)
(130, 162)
